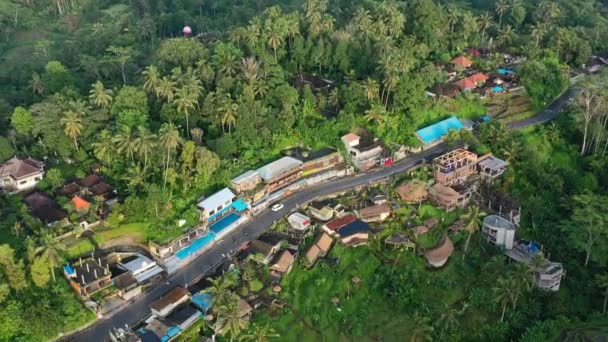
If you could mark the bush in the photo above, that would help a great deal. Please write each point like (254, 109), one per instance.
(255, 285)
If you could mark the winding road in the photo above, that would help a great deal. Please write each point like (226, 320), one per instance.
(208, 261)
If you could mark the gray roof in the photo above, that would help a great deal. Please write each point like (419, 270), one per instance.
(278, 167)
(493, 163)
(217, 199)
(245, 176)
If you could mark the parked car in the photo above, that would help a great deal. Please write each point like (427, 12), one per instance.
(277, 207)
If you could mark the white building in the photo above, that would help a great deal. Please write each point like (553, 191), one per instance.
(18, 174)
(547, 275)
(499, 231)
(364, 153)
(142, 267)
(299, 222)
(491, 167)
(215, 203)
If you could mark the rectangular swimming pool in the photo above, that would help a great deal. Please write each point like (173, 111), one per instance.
(195, 246)
(224, 222)
(437, 131)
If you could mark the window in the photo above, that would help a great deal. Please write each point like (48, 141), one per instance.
(38, 179)
(22, 182)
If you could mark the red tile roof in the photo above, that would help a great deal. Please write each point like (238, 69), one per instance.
(80, 203)
(471, 81)
(340, 222)
(462, 61)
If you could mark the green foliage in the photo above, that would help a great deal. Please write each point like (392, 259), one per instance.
(6, 150)
(129, 99)
(40, 272)
(54, 178)
(22, 120)
(56, 77)
(544, 80)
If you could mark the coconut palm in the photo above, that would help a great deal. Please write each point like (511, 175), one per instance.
(334, 98)
(37, 84)
(185, 102)
(197, 135)
(102, 149)
(422, 330)
(230, 110)
(51, 250)
(502, 6)
(169, 139)
(72, 126)
(125, 142)
(152, 80)
(229, 317)
(472, 219)
(100, 96)
(219, 290)
(504, 294)
(448, 320)
(505, 36)
(250, 68)
(166, 89)
(145, 142)
(602, 282)
(538, 33)
(453, 16)
(275, 39)
(484, 23)
(260, 333)
(550, 10)
(512, 151)
(375, 114)
(521, 274)
(372, 89)
(135, 177)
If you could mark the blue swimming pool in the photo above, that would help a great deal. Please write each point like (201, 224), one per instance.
(224, 222)
(195, 246)
(239, 206)
(437, 131)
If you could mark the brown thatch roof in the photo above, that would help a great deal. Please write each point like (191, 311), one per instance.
(421, 230)
(444, 192)
(374, 210)
(324, 242)
(412, 192)
(439, 255)
(313, 254)
(285, 261)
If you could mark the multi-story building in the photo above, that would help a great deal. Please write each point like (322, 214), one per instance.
(451, 197)
(246, 181)
(18, 174)
(499, 231)
(281, 173)
(491, 167)
(365, 152)
(547, 275)
(454, 167)
(320, 160)
(88, 276)
(214, 205)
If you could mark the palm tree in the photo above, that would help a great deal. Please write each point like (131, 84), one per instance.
(230, 110)
(185, 102)
(166, 89)
(99, 95)
(448, 320)
(102, 149)
(473, 222)
(260, 334)
(72, 126)
(37, 84)
(512, 151)
(371, 89)
(550, 10)
(538, 33)
(522, 277)
(250, 68)
(169, 140)
(197, 135)
(136, 176)
(152, 80)
(17, 228)
(484, 24)
(602, 282)
(422, 329)
(219, 290)
(375, 114)
(125, 142)
(453, 16)
(334, 98)
(229, 316)
(51, 250)
(275, 39)
(504, 294)
(145, 143)
(501, 8)
(505, 36)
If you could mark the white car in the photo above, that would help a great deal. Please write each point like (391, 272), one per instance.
(277, 207)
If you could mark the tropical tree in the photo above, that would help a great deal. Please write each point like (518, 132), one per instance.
(152, 80)
(375, 114)
(229, 316)
(504, 294)
(484, 24)
(537, 33)
(100, 96)
(502, 6)
(103, 149)
(72, 126)
(170, 141)
(250, 68)
(472, 219)
(372, 89)
(185, 102)
(166, 89)
(422, 330)
(145, 142)
(125, 142)
(230, 110)
(51, 250)
(260, 333)
(602, 282)
(448, 320)
(37, 84)
(505, 36)
(521, 275)
(121, 55)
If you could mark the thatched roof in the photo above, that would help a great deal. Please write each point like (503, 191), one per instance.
(439, 255)
(412, 192)
(445, 193)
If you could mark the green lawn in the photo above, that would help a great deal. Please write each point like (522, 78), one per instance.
(126, 234)
(81, 247)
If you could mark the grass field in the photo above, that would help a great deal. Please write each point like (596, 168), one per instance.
(510, 106)
(132, 233)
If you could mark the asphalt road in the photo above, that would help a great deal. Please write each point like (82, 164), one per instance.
(208, 261)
